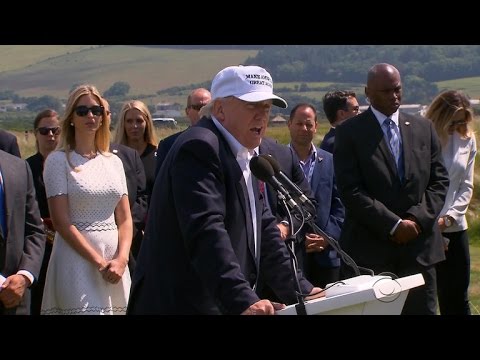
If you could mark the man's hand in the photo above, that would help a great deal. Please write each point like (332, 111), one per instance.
(315, 243)
(284, 230)
(316, 293)
(263, 307)
(406, 231)
(12, 290)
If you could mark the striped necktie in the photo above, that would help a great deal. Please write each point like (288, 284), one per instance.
(394, 144)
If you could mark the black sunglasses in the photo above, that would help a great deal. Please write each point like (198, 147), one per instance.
(83, 110)
(46, 130)
(457, 123)
(196, 107)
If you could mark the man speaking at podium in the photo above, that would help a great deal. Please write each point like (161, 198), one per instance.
(208, 235)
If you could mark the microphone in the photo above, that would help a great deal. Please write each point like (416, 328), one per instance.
(310, 212)
(298, 193)
(262, 170)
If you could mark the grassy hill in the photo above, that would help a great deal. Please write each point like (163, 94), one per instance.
(16, 57)
(36, 71)
(471, 86)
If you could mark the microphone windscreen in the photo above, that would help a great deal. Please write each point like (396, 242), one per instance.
(261, 168)
(273, 162)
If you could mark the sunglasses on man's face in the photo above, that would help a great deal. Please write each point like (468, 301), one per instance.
(83, 110)
(47, 130)
(196, 107)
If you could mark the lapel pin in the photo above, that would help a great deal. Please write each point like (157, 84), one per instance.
(407, 123)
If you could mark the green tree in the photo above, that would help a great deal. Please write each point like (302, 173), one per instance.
(44, 102)
(417, 90)
(120, 88)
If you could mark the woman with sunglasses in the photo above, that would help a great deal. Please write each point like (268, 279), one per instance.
(452, 115)
(46, 128)
(88, 200)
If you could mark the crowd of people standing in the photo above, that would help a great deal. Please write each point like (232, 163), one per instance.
(124, 224)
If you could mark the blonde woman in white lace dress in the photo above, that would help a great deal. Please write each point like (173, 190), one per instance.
(88, 200)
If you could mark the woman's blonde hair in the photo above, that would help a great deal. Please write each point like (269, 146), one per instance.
(67, 136)
(444, 108)
(149, 136)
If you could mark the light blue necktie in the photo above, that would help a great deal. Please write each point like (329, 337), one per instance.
(394, 144)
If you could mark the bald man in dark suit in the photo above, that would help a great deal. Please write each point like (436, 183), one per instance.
(393, 183)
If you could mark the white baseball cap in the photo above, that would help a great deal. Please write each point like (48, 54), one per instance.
(248, 83)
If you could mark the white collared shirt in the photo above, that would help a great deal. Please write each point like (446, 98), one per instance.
(243, 157)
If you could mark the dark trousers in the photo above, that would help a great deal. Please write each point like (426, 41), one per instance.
(453, 276)
(321, 276)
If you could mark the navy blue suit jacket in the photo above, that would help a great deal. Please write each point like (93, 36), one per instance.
(197, 256)
(328, 141)
(289, 164)
(163, 149)
(374, 196)
(330, 210)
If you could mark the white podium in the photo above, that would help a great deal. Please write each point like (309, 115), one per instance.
(361, 295)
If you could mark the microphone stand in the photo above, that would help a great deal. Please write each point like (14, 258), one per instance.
(290, 244)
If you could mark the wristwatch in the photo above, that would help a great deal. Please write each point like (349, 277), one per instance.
(448, 221)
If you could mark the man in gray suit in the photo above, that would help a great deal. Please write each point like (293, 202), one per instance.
(392, 181)
(22, 238)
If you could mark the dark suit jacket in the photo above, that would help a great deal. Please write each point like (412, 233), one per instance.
(375, 198)
(163, 148)
(197, 256)
(136, 185)
(328, 141)
(330, 210)
(289, 165)
(8, 143)
(25, 243)
(149, 161)
(36, 165)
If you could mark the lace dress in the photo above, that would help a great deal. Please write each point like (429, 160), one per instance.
(73, 285)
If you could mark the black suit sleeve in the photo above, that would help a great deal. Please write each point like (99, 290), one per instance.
(139, 207)
(427, 211)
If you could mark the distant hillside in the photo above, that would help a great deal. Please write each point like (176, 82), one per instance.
(146, 68)
(471, 86)
(20, 56)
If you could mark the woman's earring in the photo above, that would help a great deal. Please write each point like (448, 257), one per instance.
(71, 124)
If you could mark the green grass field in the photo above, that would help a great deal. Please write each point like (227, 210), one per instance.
(16, 57)
(147, 70)
(470, 86)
